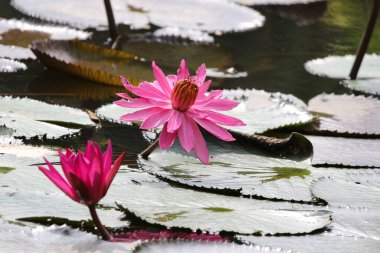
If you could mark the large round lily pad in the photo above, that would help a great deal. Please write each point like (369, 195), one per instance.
(29, 118)
(346, 114)
(7, 65)
(16, 53)
(340, 66)
(91, 61)
(174, 207)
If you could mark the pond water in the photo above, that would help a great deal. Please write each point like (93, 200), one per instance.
(270, 58)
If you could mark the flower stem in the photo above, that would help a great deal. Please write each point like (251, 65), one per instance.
(102, 230)
(150, 149)
(365, 39)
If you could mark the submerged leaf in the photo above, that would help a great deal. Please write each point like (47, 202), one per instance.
(243, 215)
(25, 117)
(91, 61)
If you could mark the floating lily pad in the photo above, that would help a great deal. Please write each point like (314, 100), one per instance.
(263, 111)
(360, 192)
(7, 65)
(83, 14)
(28, 118)
(203, 247)
(346, 152)
(247, 216)
(16, 53)
(22, 33)
(368, 86)
(274, 2)
(346, 114)
(226, 17)
(91, 61)
(56, 239)
(340, 66)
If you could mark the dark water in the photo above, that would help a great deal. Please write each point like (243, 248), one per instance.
(273, 56)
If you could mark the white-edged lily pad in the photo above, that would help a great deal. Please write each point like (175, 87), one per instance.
(203, 247)
(195, 14)
(349, 152)
(347, 114)
(340, 66)
(158, 203)
(29, 118)
(7, 65)
(274, 2)
(54, 32)
(15, 52)
(368, 86)
(82, 14)
(56, 239)
(262, 111)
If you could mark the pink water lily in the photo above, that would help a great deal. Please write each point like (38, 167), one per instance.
(87, 175)
(180, 103)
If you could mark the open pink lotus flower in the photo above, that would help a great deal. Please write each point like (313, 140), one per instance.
(179, 103)
(88, 175)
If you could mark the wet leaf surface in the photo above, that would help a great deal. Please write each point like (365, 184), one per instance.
(26, 118)
(346, 114)
(91, 61)
(197, 209)
(55, 239)
(16, 53)
(346, 152)
(7, 65)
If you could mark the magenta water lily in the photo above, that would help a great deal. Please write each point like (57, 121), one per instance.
(87, 176)
(180, 104)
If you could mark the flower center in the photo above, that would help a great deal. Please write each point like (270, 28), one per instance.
(184, 94)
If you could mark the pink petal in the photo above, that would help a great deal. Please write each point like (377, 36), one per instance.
(148, 91)
(156, 119)
(183, 71)
(214, 94)
(123, 95)
(222, 119)
(161, 79)
(125, 82)
(214, 129)
(200, 148)
(154, 87)
(111, 174)
(140, 115)
(172, 79)
(204, 87)
(134, 103)
(219, 105)
(54, 176)
(185, 134)
(107, 158)
(166, 139)
(175, 121)
(201, 74)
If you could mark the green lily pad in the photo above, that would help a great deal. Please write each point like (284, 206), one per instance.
(248, 216)
(367, 86)
(91, 61)
(339, 66)
(346, 114)
(5, 170)
(28, 117)
(7, 65)
(345, 152)
(55, 239)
